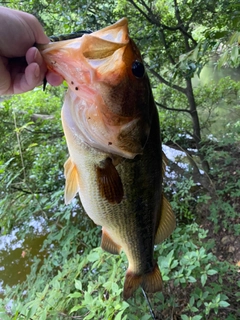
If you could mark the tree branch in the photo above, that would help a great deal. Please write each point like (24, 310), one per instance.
(171, 109)
(141, 11)
(162, 80)
(167, 47)
(182, 28)
(30, 192)
(152, 19)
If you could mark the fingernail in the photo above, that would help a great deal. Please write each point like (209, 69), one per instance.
(37, 72)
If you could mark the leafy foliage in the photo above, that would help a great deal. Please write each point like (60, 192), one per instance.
(89, 286)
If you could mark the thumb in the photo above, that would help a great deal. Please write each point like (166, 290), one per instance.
(37, 29)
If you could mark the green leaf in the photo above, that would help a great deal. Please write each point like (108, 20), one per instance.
(93, 256)
(43, 315)
(88, 298)
(75, 295)
(4, 316)
(224, 304)
(194, 309)
(78, 285)
(119, 315)
(223, 59)
(191, 279)
(203, 279)
(212, 272)
(191, 301)
(198, 317)
(75, 308)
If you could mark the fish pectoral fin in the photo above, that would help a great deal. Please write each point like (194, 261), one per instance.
(108, 244)
(151, 282)
(109, 182)
(71, 184)
(167, 222)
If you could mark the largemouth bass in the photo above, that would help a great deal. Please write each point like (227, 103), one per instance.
(113, 135)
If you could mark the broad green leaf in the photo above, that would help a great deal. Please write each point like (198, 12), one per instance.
(224, 304)
(203, 279)
(211, 272)
(78, 285)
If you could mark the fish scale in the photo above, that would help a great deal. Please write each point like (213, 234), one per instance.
(115, 160)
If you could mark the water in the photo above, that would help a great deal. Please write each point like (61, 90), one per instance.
(16, 254)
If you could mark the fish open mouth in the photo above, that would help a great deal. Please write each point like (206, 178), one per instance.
(103, 103)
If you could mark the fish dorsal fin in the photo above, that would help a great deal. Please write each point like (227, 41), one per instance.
(71, 184)
(108, 244)
(109, 182)
(167, 221)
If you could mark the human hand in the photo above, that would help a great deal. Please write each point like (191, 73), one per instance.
(21, 65)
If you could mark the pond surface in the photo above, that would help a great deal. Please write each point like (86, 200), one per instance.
(16, 254)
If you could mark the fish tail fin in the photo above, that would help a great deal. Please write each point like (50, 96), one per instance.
(132, 282)
(150, 282)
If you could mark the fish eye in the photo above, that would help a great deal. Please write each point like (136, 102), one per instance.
(138, 69)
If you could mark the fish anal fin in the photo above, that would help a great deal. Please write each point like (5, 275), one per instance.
(108, 244)
(109, 182)
(71, 184)
(151, 282)
(167, 221)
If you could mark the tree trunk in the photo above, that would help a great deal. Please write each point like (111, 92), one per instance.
(196, 124)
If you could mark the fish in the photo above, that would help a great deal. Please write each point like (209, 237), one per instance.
(115, 162)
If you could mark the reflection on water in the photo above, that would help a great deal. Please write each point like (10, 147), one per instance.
(16, 254)
(172, 154)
